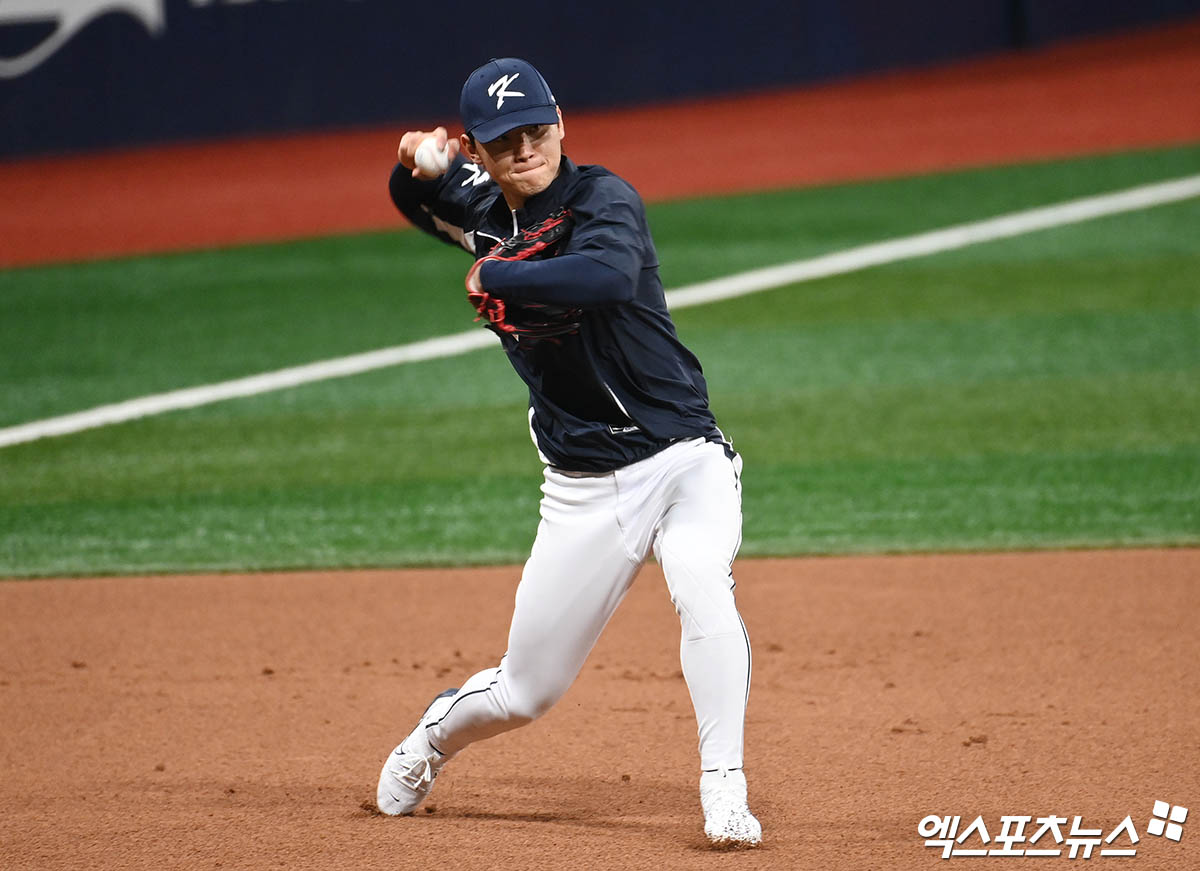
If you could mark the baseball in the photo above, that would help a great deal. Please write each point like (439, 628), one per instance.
(430, 159)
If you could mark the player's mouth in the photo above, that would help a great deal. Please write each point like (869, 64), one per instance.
(528, 167)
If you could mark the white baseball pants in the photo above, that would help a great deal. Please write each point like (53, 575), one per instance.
(594, 535)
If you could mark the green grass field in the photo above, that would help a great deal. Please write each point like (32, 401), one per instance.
(1042, 391)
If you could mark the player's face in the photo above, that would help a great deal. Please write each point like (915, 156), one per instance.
(524, 161)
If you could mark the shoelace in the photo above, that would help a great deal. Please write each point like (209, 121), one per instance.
(414, 771)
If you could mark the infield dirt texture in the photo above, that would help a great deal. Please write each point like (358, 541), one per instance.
(239, 721)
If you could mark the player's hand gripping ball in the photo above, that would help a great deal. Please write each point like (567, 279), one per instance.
(431, 160)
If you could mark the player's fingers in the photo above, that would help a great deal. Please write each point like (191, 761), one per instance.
(452, 148)
(441, 135)
(408, 147)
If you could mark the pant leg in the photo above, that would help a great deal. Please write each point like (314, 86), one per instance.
(697, 540)
(577, 574)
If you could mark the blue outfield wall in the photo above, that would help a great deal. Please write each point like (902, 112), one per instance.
(84, 74)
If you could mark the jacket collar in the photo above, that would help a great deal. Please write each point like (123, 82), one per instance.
(542, 204)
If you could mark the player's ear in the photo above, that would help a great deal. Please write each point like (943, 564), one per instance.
(562, 129)
(468, 148)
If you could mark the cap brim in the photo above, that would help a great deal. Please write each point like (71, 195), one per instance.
(497, 127)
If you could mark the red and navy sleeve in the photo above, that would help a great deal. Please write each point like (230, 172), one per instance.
(600, 264)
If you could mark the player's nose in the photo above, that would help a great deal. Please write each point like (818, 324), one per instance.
(524, 147)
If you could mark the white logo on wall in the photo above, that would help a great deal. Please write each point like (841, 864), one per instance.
(499, 89)
(68, 17)
(71, 16)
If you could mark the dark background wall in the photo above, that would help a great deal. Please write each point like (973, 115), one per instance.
(142, 71)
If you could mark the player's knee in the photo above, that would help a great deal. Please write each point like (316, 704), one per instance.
(702, 592)
(527, 704)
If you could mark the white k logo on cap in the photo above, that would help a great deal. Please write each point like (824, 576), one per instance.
(499, 89)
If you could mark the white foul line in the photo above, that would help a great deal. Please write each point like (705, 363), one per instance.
(937, 241)
(850, 260)
(145, 406)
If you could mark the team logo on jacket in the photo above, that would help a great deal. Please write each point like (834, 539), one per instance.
(499, 89)
(68, 18)
(475, 175)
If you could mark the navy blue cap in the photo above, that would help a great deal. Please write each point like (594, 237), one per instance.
(502, 94)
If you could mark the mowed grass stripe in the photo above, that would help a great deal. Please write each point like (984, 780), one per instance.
(77, 336)
(854, 259)
(1039, 391)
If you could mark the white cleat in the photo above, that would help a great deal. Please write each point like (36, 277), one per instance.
(409, 772)
(727, 818)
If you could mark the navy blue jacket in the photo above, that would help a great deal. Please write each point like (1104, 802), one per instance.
(623, 387)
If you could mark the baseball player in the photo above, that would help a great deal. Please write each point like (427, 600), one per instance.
(567, 276)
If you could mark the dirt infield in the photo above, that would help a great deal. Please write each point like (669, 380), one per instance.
(240, 721)
(1094, 96)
